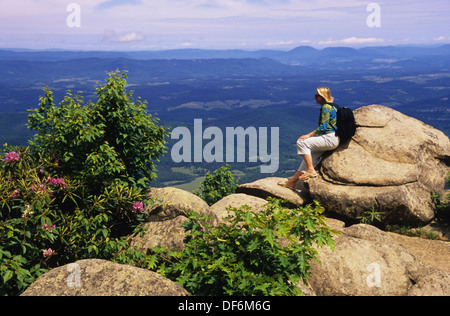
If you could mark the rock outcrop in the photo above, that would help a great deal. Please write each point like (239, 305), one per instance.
(220, 208)
(269, 187)
(391, 164)
(94, 277)
(169, 203)
(166, 215)
(368, 262)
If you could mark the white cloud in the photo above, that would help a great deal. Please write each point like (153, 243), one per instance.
(355, 40)
(352, 41)
(288, 43)
(442, 39)
(186, 44)
(129, 37)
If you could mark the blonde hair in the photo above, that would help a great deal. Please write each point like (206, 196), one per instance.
(325, 93)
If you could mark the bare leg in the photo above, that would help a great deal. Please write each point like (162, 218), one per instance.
(292, 181)
(309, 163)
(310, 172)
(299, 174)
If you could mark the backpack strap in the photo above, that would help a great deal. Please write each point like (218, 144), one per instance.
(335, 105)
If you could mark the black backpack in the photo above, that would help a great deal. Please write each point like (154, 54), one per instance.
(346, 125)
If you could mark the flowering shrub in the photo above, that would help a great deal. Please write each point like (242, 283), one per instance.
(47, 220)
(78, 190)
(26, 220)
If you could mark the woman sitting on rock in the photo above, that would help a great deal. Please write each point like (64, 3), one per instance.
(311, 146)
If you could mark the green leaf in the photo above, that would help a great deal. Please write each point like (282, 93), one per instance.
(253, 245)
(7, 275)
(269, 235)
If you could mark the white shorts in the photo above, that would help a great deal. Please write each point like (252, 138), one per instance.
(316, 146)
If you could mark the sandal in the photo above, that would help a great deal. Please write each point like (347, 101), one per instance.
(285, 184)
(308, 175)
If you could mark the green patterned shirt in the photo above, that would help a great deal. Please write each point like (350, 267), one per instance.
(327, 120)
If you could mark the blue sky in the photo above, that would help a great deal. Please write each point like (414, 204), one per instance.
(221, 24)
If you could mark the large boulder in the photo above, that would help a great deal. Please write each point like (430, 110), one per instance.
(391, 164)
(168, 234)
(94, 277)
(237, 200)
(166, 215)
(435, 253)
(269, 187)
(435, 283)
(169, 202)
(368, 262)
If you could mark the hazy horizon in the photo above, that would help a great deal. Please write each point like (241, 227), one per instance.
(15, 49)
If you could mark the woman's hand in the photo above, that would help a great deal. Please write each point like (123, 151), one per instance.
(305, 137)
(302, 138)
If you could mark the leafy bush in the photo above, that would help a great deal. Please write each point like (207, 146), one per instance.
(47, 220)
(23, 234)
(371, 217)
(79, 189)
(217, 185)
(252, 253)
(113, 140)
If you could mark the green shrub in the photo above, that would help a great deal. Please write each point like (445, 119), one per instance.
(30, 218)
(217, 185)
(371, 217)
(114, 140)
(23, 234)
(47, 220)
(251, 253)
(79, 189)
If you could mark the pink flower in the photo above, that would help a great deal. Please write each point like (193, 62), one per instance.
(57, 182)
(41, 189)
(48, 252)
(137, 207)
(12, 157)
(47, 228)
(15, 194)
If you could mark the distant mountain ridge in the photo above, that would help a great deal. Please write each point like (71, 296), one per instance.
(305, 54)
